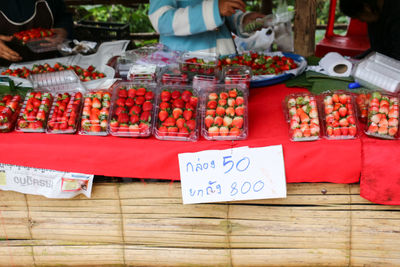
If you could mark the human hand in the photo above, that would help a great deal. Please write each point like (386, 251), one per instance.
(59, 37)
(6, 52)
(228, 7)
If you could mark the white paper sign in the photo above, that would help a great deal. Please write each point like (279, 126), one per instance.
(233, 174)
(49, 183)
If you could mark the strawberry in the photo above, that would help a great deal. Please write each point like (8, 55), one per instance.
(144, 127)
(193, 101)
(134, 129)
(163, 115)
(191, 124)
(178, 103)
(147, 106)
(218, 121)
(186, 95)
(141, 91)
(212, 104)
(134, 119)
(223, 131)
(237, 122)
(173, 131)
(183, 132)
(162, 131)
(230, 111)
(120, 102)
(342, 111)
(169, 122)
(352, 130)
(234, 132)
(139, 100)
(393, 131)
(239, 111)
(149, 95)
(164, 105)
(175, 94)
(180, 123)
(177, 112)
(209, 120)
(231, 102)
(220, 111)
(129, 102)
(123, 93)
(165, 96)
(123, 118)
(227, 121)
(187, 114)
(213, 131)
(213, 96)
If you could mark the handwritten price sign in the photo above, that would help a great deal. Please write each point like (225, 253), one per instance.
(233, 174)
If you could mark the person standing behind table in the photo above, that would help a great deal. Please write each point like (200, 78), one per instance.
(20, 15)
(200, 25)
(383, 20)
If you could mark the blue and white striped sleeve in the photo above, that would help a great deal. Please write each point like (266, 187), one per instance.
(235, 23)
(168, 19)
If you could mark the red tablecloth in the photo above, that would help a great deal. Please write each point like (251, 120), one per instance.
(320, 161)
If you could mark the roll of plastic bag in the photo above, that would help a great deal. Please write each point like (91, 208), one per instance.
(336, 65)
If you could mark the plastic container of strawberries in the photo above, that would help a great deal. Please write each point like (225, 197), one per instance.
(201, 63)
(237, 75)
(301, 112)
(383, 116)
(67, 91)
(177, 114)
(225, 112)
(34, 112)
(10, 106)
(142, 73)
(132, 109)
(203, 81)
(96, 112)
(339, 115)
(173, 76)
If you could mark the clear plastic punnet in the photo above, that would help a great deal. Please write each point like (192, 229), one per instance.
(65, 112)
(10, 105)
(339, 115)
(383, 116)
(225, 112)
(34, 112)
(198, 63)
(177, 114)
(378, 72)
(96, 112)
(237, 75)
(67, 91)
(301, 113)
(132, 109)
(203, 81)
(173, 76)
(142, 73)
(37, 39)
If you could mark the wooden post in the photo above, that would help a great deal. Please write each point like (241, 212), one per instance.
(305, 21)
(266, 7)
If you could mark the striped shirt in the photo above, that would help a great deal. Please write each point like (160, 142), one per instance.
(194, 25)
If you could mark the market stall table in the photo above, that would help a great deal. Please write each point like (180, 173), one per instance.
(336, 161)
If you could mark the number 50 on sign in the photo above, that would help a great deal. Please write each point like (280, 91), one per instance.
(233, 174)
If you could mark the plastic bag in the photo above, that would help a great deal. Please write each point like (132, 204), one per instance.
(283, 28)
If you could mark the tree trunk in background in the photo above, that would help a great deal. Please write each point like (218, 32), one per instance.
(266, 7)
(305, 22)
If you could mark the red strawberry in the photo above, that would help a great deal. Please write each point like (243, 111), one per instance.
(222, 102)
(141, 91)
(233, 93)
(132, 92)
(234, 132)
(135, 110)
(212, 96)
(162, 131)
(239, 100)
(143, 127)
(178, 103)
(343, 111)
(139, 100)
(162, 115)
(335, 98)
(180, 123)
(343, 122)
(172, 131)
(177, 112)
(211, 112)
(187, 114)
(134, 119)
(191, 124)
(145, 116)
(123, 118)
(129, 102)
(237, 122)
(239, 111)
(218, 121)
(343, 98)
(149, 95)
(193, 101)
(212, 104)
(183, 132)
(186, 95)
(120, 102)
(220, 111)
(208, 121)
(147, 106)
(230, 111)
(169, 122)
(224, 131)
(165, 96)
(164, 105)
(134, 129)
(123, 93)
(223, 95)
(175, 94)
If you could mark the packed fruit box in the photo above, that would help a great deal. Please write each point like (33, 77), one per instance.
(224, 114)
(10, 105)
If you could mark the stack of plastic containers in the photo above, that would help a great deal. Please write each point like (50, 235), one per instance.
(378, 72)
